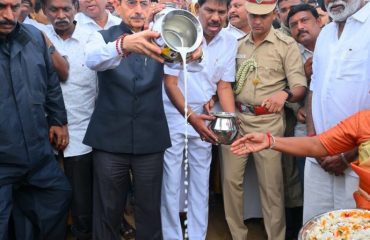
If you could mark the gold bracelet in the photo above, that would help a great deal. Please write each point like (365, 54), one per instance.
(189, 114)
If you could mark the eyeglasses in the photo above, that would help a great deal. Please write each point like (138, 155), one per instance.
(133, 4)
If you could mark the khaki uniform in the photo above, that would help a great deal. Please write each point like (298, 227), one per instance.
(279, 66)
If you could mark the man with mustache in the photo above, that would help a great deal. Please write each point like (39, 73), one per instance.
(268, 62)
(218, 72)
(339, 88)
(94, 15)
(128, 129)
(32, 116)
(238, 22)
(305, 26)
(79, 91)
(304, 23)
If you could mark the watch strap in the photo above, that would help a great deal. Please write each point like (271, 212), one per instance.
(290, 94)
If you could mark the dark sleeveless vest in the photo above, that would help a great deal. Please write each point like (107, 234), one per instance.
(129, 115)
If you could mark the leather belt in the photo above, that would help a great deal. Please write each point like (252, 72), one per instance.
(252, 109)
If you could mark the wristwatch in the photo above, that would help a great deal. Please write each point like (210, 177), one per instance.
(51, 49)
(290, 94)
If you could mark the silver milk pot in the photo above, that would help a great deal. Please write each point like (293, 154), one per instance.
(224, 127)
(178, 28)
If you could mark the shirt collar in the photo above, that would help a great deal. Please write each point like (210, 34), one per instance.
(304, 49)
(77, 33)
(216, 38)
(236, 29)
(269, 38)
(363, 14)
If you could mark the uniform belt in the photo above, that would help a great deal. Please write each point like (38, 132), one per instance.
(252, 109)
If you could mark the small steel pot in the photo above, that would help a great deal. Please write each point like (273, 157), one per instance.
(225, 127)
(178, 28)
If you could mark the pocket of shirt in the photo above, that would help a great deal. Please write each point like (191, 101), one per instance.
(352, 65)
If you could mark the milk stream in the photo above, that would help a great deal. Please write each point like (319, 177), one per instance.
(183, 52)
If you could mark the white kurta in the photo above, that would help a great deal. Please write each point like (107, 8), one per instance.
(341, 87)
(218, 64)
(79, 91)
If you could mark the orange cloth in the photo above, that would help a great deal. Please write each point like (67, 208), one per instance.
(361, 198)
(348, 134)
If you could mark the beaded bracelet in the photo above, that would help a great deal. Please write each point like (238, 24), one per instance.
(118, 43)
(124, 53)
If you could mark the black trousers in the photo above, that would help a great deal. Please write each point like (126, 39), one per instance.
(39, 204)
(78, 170)
(111, 185)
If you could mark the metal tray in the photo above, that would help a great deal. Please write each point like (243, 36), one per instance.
(308, 226)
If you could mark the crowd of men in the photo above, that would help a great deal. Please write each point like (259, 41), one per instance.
(91, 113)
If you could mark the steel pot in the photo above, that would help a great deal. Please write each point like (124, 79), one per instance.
(178, 28)
(224, 126)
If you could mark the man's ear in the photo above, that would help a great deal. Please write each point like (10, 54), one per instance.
(196, 8)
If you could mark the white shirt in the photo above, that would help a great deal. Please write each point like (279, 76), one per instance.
(79, 91)
(91, 25)
(236, 32)
(341, 71)
(218, 64)
(36, 24)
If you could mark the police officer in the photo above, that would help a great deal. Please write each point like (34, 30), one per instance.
(269, 73)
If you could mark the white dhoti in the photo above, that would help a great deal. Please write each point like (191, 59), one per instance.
(325, 192)
(199, 158)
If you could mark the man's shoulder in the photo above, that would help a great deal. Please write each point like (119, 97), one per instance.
(30, 29)
(31, 32)
(283, 37)
(243, 42)
(111, 33)
(227, 36)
